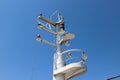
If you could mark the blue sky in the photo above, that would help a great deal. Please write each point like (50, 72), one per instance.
(96, 24)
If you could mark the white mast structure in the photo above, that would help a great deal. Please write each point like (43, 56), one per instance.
(62, 70)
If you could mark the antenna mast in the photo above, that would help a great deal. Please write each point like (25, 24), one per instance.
(62, 70)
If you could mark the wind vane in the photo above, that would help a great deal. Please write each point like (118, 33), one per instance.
(62, 70)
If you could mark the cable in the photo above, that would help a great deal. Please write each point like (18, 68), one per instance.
(113, 77)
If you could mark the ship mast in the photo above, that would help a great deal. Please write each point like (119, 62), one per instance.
(62, 70)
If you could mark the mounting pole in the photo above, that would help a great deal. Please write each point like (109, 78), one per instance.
(59, 61)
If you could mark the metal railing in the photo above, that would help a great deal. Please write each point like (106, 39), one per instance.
(83, 57)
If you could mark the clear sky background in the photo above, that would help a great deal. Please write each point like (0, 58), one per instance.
(96, 24)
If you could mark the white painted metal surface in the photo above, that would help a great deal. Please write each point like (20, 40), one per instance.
(71, 70)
